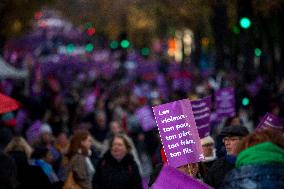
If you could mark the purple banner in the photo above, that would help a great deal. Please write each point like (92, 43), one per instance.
(202, 111)
(34, 131)
(146, 118)
(270, 121)
(170, 178)
(225, 103)
(178, 132)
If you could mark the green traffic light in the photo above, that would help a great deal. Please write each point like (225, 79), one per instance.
(114, 45)
(70, 48)
(89, 47)
(245, 101)
(245, 22)
(257, 52)
(125, 44)
(145, 51)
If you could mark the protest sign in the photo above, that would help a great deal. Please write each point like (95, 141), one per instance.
(270, 121)
(34, 131)
(225, 103)
(170, 178)
(145, 118)
(202, 111)
(178, 132)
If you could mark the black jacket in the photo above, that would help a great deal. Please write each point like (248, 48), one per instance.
(218, 171)
(255, 177)
(111, 174)
(8, 172)
(29, 177)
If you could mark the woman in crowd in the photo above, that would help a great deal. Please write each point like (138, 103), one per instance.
(8, 172)
(42, 158)
(28, 176)
(117, 169)
(209, 151)
(116, 129)
(18, 143)
(80, 166)
(260, 163)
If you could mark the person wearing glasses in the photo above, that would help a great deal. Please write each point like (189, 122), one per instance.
(231, 137)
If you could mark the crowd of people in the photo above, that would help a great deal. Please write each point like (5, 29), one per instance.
(85, 132)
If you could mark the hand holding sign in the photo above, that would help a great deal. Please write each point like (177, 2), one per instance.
(178, 132)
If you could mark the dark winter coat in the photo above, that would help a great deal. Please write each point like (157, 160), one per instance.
(8, 172)
(255, 177)
(218, 171)
(112, 174)
(29, 177)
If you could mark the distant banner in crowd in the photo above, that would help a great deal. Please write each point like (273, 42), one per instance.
(178, 132)
(271, 121)
(225, 103)
(202, 111)
(34, 131)
(145, 118)
(170, 178)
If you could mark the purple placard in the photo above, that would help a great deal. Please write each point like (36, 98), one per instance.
(170, 178)
(271, 121)
(178, 132)
(34, 131)
(202, 112)
(225, 103)
(146, 118)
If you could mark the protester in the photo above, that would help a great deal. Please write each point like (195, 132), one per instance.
(80, 166)
(117, 169)
(42, 157)
(6, 134)
(66, 92)
(232, 136)
(47, 140)
(28, 176)
(260, 163)
(62, 144)
(209, 151)
(18, 143)
(116, 129)
(8, 172)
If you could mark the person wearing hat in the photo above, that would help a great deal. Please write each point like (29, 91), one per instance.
(231, 136)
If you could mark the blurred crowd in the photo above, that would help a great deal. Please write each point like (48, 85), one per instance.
(78, 123)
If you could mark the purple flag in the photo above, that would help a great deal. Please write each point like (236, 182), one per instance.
(178, 132)
(34, 131)
(271, 121)
(225, 103)
(170, 178)
(146, 118)
(202, 111)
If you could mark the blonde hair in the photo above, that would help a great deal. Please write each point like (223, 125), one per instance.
(19, 144)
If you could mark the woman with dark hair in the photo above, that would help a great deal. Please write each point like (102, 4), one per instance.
(42, 158)
(80, 166)
(260, 163)
(28, 176)
(117, 169)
